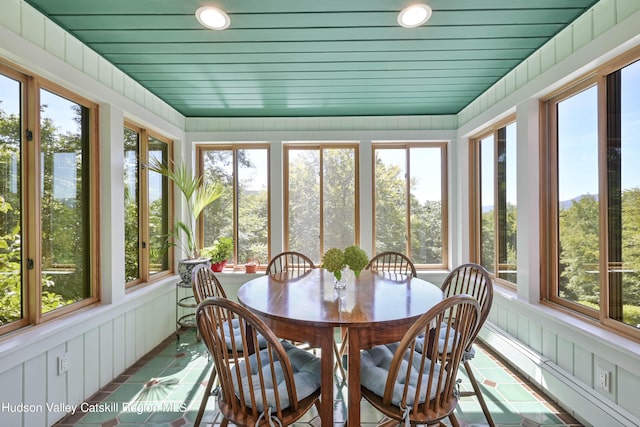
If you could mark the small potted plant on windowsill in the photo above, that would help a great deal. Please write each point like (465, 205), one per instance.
(219, 253)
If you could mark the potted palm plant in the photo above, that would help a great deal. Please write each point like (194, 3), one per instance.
(198, 195)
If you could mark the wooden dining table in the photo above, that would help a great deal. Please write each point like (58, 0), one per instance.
(377, 308)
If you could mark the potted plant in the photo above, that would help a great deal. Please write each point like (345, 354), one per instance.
(219, 253)
(198, 195)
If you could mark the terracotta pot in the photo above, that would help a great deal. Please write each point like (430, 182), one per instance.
(251, 267)
(218, 266)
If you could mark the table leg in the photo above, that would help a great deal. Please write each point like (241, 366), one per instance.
(326, 382)
(353, 372)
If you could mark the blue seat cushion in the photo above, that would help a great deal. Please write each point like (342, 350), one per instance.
(236, 331)
(306, 376)
(374, 371)
(442, 345)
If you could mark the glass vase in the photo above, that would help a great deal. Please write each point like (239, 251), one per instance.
(340, 283)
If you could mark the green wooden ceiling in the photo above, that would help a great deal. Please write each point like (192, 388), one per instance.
(314, 58)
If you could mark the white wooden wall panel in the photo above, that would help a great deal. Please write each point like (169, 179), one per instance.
(75, 375)
(35, 371)
(91, 361)
(119, 345)
(106, 353)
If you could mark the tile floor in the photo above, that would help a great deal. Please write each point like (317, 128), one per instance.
(164, 388)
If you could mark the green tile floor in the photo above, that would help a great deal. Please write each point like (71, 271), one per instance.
(165, 388)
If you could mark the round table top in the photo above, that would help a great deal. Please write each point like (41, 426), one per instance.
(312, 299)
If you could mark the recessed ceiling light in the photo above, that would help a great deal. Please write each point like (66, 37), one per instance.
(414, 15)
(212, 17)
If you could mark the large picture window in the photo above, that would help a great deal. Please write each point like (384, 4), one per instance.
(48, 243)
(242, 212)
(594, 190)
(321, 207)
(410, 201)
(147, 208)
(494, 213)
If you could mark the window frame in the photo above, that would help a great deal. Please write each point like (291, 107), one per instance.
(475, 199)
(444, 174)
(30, 194)
(320, 146)
(144, 258)
(549, 212)
(234, 148)
(93, 233)
(26, 276)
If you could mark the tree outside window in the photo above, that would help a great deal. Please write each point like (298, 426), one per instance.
(242, 212)
(495, 213)
(410, 203)
(147, 206)
(321, 204)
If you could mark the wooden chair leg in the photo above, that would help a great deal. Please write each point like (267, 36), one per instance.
(338, 363)
(454, 420)
(478, 393)
(206, 396)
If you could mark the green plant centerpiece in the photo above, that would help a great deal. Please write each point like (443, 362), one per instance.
(219, 252)
(198, 195)
(333, 262)
(336, 260)
(356, 258)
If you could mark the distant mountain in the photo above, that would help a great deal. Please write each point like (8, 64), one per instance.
(566, 204)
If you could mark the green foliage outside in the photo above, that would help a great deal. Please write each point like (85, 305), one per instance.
(579, 254)
(57, 290)
(391, 221)
(507, 265)
(253, 206)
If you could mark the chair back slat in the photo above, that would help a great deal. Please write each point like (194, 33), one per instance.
(471, 279)
(393, 262)
(290, 262)
(205, 284)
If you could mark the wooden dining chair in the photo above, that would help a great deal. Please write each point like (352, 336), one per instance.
(291, 262)
(205, 285)
(408, 386)
(272, 386)
(472, 279)
(393, 262)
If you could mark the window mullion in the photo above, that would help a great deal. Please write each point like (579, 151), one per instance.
(500, 217)
(613, 206)
(407, 237)
(236, 207)
(32, 208)
(144, 206)
(321, 198)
